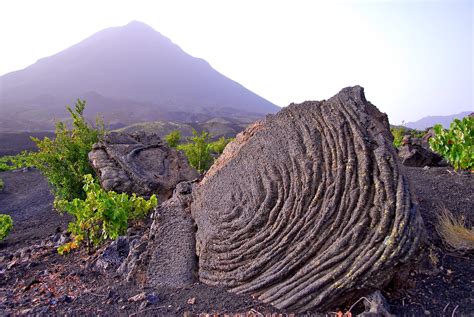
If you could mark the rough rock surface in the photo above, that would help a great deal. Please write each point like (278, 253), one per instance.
(139, 163)
(166, 255)
(417, 156)
(309, 208)
(415, 152)
(114, 254)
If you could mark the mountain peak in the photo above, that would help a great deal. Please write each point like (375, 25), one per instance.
(137, 25)
(133, 66)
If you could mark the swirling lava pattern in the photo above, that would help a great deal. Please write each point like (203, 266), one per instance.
(307, 208)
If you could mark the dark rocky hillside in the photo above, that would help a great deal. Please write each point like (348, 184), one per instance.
(130, 74)
(217, 127)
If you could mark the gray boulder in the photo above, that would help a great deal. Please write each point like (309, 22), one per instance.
(139, 163)
(166, 253)
(308, 209)
(415, 152)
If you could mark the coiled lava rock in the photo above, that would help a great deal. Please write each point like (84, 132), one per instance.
(139, 163)
(308, 208)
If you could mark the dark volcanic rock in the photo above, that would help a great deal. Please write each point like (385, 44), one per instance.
(309, 208)
(139, 163)
(417, 156)
(166, 255)
(415, 152)
(114, 254)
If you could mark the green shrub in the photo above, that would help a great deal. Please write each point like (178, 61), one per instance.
(219, 145)
(198, 151)
(1, 184)
(173, 138)
(6, 225)
(456, 143)
(399, 132)
(13, 162)
(102, 215)
(64, 160)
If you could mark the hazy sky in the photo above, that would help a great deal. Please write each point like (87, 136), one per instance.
(414, 58)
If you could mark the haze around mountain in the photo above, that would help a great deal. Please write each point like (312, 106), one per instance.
(414, 58)
(128, 74)
(430, 121)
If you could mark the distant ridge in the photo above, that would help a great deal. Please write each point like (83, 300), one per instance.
(430, 121)
(129, 74)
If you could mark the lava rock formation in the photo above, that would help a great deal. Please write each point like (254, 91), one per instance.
(139, 163)
(308, 208)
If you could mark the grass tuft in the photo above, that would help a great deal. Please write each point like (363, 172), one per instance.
(454, 231)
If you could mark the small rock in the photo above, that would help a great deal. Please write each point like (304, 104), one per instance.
(417, 156)
(66, 299)
(114, 254)
(62, 240)
(30, 282)
(376, 306)
(138, 297)
(143, 305)
(32, 264)
(152, 298)
(111, 293)
(11, 264)
(191, 301)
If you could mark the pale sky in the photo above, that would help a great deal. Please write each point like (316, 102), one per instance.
(414, 58)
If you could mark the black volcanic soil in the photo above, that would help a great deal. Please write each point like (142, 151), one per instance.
(446, 281)
(34, 279)
(28, 200)
(12, 143)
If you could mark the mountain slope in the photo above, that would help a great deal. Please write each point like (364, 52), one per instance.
(129, 71)
(430, 121)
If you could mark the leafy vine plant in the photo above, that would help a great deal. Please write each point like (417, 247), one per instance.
(102, 215)
(456, 143)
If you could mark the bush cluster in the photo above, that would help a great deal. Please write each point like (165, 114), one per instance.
(13, 162)
(99, 215)
(64, 159)
(173, 138)
(456, 143)
(6, 225)
(102, 214)
(199, 150)
(399, 132)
